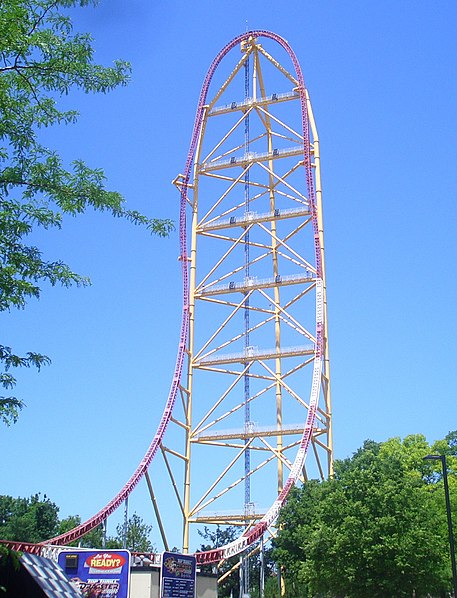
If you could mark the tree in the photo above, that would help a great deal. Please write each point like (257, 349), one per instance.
(41, 59)
(31, 519)
(36, 519)
(137, 536)
(375, 529)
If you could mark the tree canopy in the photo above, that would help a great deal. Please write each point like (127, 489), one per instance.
(36, 519)
(41, 60)
(31, 519)
(377, 528)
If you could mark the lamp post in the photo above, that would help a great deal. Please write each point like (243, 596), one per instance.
(442, 458)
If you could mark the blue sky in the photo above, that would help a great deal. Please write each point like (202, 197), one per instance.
(382, 81)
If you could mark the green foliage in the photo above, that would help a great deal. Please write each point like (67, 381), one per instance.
(41, 60)
(447, 447)
(9, 405)
(35, 520)
(377, 529)
(31, 519)
(137, 537)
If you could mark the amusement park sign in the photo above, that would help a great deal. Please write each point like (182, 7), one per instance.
(178, 575)
(100, 573)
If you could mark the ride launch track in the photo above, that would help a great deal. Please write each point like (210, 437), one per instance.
(248, 413)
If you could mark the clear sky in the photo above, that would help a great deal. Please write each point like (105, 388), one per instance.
(382, 81)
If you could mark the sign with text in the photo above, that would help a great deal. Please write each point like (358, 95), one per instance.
(178, 575)
(98, 573)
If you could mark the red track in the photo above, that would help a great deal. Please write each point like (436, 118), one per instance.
(255, 532)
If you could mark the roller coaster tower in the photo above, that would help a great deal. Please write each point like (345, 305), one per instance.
(256, 394)
(248, 414)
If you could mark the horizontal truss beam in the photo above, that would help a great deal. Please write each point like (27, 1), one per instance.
(250, 158)
(274, 98)
(252, 354)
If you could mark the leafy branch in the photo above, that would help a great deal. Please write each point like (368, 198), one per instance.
(42, 59)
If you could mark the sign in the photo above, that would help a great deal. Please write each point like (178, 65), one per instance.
(98, 573)
(178, 577)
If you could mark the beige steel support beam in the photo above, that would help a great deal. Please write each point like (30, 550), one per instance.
(156, 511)
(172, 478)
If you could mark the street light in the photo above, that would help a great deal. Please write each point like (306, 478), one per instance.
(442, 458)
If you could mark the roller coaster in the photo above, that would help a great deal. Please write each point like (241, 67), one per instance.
(248, 413)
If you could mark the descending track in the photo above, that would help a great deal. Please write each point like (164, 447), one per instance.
(283, 292)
